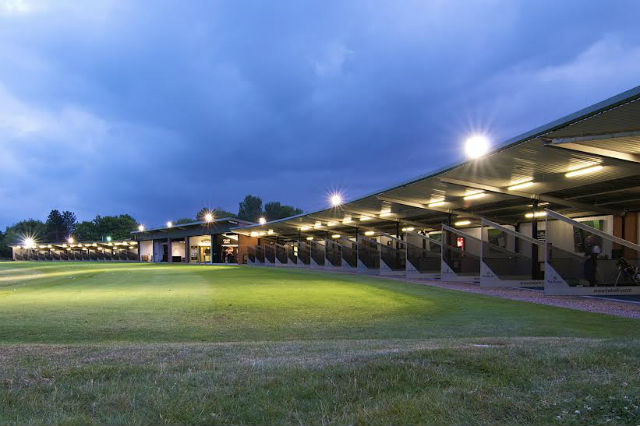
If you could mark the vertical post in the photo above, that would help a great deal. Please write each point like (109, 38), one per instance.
(169, 251)
(139, 252)
(211, 249)
(187, 250)
(535, 268)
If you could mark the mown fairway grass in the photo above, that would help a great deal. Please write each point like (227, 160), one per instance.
(157, 344)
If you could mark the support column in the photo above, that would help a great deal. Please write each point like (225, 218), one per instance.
(169, 251)
(187, 250)
(535, 268)
(139, 252)
(211, 249)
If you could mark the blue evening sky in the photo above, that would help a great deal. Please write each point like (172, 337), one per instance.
(158, 108)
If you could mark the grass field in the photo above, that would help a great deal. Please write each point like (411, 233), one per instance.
(95, 343)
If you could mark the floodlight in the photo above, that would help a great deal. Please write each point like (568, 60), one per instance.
(208, 217)
(70, 240)
(169, 224)
(28, 242)
(462, 223)
(476, 146)
(335, 199)
(141, 228)
(369, 233)
(262, 220)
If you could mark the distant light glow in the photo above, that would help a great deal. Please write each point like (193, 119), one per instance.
(585, 171)
(476, 146)
(309, 238)
(335, 199)
(28, 242)
(169, 224)
(208, 217)
(305, 228)
(270, 231)
(70, 240)
(262, 220)
(462, 223)
(141, 228)
(108, 237)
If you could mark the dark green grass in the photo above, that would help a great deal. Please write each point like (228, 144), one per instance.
(151, 344)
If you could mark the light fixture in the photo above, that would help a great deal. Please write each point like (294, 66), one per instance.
(262, 233)
(347, 219)
(474, 196)
(369, 233)
(585, 171)
(408, 229)
(385, 212)
(208, 217)
(317, 225)
(335, 236)
(141, 228)
(169, 224)
(254, 234)
(364, 218)
(108, 237)
(262, 220)
(462, 223)
(305, 228)
(309, 238)
(28, 242)
(437, 204)
(270, 232)
(520, 185)
(531, 215)
(476, 146)
(335, 199)
(70, 240)
(332, 223)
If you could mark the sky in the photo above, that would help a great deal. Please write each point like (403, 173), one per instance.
(159, 108)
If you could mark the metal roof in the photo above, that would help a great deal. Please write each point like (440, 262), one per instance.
(606, 135)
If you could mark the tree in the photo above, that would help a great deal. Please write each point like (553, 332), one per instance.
(183, 220)
(116, 227)
(69, 222)
(216, 212)
(250, 208)
(26, 228)
(274, 210)
(55, 227)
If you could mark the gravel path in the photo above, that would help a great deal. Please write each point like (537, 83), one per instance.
(580, 303)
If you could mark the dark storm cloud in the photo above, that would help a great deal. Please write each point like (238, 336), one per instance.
(158, 108)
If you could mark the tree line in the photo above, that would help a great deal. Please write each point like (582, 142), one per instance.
(61, 225)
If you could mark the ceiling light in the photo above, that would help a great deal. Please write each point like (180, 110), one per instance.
(521, 185)
(347, 219)
(462, 223)
(305, 228)
(335, 236)
(270, 231)
(385, 212)
(408, 229)
(364, 218)
(474, 196)
(369, 233)
(317, 225)
(585, 171)
(309, 238)
(437, 204)
(330, 224)
(531, 215)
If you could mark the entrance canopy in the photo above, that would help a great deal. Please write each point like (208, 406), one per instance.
(587, 163)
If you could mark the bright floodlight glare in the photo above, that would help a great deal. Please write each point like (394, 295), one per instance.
(169, 224)
(262, 221)
(335, 199)
(28, 242)
(70, 240)
(208, 217)
(476, 146)
(140, 228)
(108, 238)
